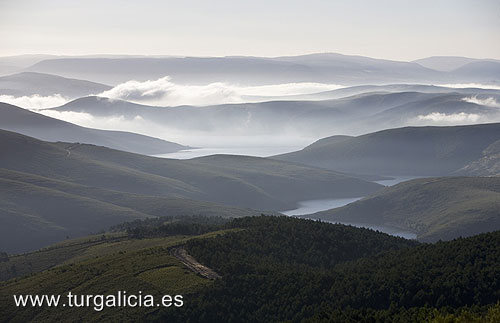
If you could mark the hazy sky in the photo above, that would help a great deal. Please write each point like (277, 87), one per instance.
(393, 29)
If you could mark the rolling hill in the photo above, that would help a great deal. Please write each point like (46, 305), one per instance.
(328, 272)
(387, 88)
(323, 68)
(412, 151)
(442, 208)
(49, 210)
(487, 165)
(238, 180)
(45, 128)
(353, 115)
(51, 190)
(478, 71)
(29, 83)
(327, 68)
(448, 63)
(261, 184)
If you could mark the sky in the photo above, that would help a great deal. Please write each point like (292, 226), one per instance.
(391, 29)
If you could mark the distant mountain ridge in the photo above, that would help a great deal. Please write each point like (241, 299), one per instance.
(30, 83)
(449, 63)
(324, 68)
(426, 151)
(42, 127)
(351, 115)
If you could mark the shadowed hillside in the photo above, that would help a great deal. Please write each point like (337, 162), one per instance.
(402, 151)
(45, 128)
(51, 190)
(331, 273)
(434, 208)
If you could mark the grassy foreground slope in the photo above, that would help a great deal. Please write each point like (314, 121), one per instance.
(103, 267)
(273, 269)
(434, 208)
(112, 262)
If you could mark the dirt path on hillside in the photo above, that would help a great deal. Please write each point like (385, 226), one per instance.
(181, 254)
(68, 149)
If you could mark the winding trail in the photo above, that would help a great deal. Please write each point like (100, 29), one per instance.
(68, 149)
(181, 254)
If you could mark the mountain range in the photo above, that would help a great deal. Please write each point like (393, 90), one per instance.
(51, 190)
(323, 68)
(29, 83)
(411, 151)
(352, 115)
(42, 127)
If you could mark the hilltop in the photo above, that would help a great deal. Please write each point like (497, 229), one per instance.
(51, 190)
(45, 128)
(328, 272)
(442, 208)
(425, 151)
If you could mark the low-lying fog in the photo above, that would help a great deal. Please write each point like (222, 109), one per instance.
(268, 130)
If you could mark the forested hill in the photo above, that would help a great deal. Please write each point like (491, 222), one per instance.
(298, 281)
(272, 269)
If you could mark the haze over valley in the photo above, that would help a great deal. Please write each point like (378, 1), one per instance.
(319, 161)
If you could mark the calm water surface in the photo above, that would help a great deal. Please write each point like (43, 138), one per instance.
(313, 206)
(248, 151)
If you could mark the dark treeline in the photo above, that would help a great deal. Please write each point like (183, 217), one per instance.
(279, 269)
(171, 225)
(288, 240)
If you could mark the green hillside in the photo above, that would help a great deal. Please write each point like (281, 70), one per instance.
(219, 180)
(425, 151)
(53, 190)
(102, 266)
(400, 285)
(272, 269)
(50, 210)
(434, 208)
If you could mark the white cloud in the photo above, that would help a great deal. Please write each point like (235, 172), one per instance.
(471, 85)
(84, 119)
(489, 102)
(35, 102)
(454, 118)
(163, 92)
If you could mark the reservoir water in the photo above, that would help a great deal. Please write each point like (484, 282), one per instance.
(395, 180)
(313, 206)
(248, 151)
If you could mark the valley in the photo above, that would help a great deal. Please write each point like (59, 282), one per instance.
(309, 188)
